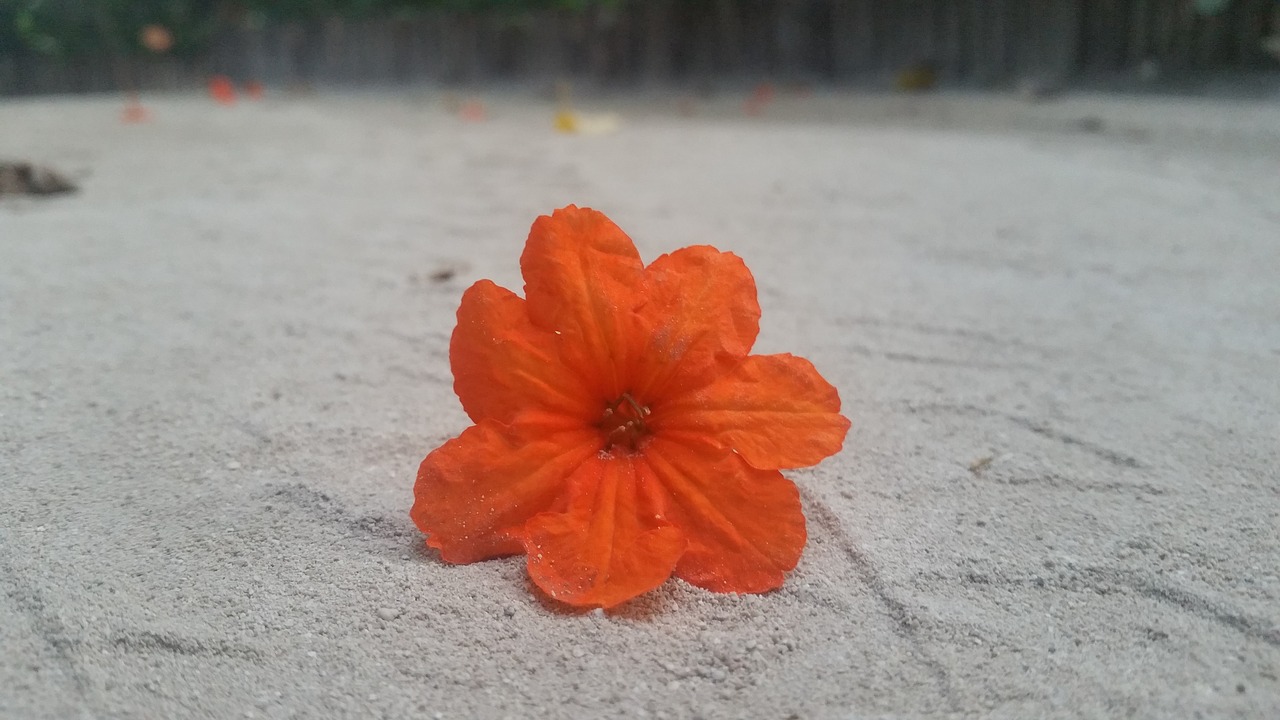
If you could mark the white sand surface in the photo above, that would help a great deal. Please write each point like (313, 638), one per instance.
(222, 361)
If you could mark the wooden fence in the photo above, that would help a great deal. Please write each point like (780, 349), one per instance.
(963, 42)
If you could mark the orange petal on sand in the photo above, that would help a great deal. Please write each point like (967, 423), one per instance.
(700, 307)
(582, 279)
(504, 366)
(222, 90)
(475, 493)
(744, 526)
(611, 543)
(473, 110)
(135, 113)
(776, 411)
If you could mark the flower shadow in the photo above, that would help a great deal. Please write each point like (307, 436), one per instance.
(420, 551)
(645, 608)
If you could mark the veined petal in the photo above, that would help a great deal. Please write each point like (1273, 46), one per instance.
(611, 544)
(700, 306)
(582, 279)
(504, 366)
(744, 526)
(475, 493)
(776, 411)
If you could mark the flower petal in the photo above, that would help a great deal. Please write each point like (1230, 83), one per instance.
(610, 545)
(744, 526)
(776, 411)
(700, 306)
(475, 493)
(582, 279)
(504, 366)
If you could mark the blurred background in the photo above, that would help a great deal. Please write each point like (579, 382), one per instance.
(96, 45)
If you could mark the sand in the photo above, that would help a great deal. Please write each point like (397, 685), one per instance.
(1055, 327)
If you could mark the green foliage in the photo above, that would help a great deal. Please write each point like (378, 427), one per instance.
(69, 28)
(51, 27)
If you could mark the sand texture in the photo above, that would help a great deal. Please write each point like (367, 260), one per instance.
(1056, 330)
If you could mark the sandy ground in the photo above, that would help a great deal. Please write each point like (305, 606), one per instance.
(1056, 329)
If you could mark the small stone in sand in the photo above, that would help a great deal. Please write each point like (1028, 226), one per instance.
(388, 613)
(233, 465)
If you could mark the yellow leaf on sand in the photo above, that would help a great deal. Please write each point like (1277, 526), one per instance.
(602, 124)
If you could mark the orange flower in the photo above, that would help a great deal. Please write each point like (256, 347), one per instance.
(623, 433)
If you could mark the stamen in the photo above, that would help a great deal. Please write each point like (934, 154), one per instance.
(623, 421)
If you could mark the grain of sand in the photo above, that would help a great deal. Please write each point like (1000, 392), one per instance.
(1056, 329)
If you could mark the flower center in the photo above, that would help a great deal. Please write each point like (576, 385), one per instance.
(623, 422)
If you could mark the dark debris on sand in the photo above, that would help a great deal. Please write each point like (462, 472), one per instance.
(24, 178)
